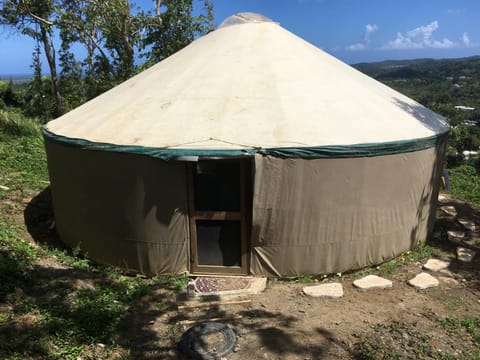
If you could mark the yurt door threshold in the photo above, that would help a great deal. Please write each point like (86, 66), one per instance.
(218, 220)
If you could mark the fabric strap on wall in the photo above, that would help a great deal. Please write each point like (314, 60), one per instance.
(330, 151)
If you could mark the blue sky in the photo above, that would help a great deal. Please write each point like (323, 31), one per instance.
(352, 30)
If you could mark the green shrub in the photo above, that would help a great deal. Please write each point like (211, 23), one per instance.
(465, 183)
(453, 159)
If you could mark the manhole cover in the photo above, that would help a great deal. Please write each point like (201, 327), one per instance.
(207, 341)
(215, 284)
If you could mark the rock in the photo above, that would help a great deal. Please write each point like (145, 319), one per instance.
(447, 272)
(372, 282)
(84, 284)
(436, 265)
(448, 280)
(442, 197)
(423, 281)
(465, 255)
(473, 241)
(455, 236)
(332, 290)
(4, 188)
(468, 224)
(449, 210)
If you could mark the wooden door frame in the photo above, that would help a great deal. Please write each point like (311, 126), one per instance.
(242, 216)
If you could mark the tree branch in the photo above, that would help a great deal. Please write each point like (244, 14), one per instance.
(93, 40)
(157, 10)
(36, 17)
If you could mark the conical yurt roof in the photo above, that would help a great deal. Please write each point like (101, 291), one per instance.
(250, 84)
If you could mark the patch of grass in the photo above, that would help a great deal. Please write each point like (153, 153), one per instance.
(52, 317)
(471, 325)
(392, 341)
(177, 282)
(465, 183)
(23, 163)
(421, 252)
(21, 250)
(398, 340)
(16, 257)
(71, 258)
(302, 279)
(14, 123)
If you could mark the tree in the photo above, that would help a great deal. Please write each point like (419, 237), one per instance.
(38, 93)
(111, 32)
(107, 29)
(176, 27)
(72, 85)
(35, 18)
(114, 33)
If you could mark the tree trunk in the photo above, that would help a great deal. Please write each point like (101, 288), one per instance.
(50, 54)
(127, 53)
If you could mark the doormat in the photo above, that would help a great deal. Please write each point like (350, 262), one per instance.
(205, 285)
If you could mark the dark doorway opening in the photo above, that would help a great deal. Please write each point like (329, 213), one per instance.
(218, 210)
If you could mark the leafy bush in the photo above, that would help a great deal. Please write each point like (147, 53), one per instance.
(7, 96)
(453, 158)
(38, 98)
(465, 183)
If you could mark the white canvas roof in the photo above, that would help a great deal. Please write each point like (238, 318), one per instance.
(249, 84)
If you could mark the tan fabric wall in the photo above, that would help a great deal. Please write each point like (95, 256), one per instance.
(309, 216)
(121, 209)
(331, 215)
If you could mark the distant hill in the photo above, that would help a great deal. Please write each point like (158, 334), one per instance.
(16, 79)
(426, 69)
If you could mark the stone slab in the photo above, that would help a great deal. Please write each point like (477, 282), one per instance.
(370, 282)
(436, 265)
(469, 224)
(473, 241)
(423, 281)
(448, 281)
(443, 197)
(456, 236)
(256, 286)
(465, 255)
(449, 210)
(332, 290)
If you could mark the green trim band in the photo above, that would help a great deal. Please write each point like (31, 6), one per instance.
(329, 151)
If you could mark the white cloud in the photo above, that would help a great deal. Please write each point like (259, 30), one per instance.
(420, 38)
(362, 45)
(356, 47)
(467, 42)
(369, 30)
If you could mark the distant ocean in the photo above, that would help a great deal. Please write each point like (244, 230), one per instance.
(16, 78)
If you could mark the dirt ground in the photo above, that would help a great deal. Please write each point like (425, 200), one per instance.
(282, 323)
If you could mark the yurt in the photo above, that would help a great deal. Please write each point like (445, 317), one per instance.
(250, 151)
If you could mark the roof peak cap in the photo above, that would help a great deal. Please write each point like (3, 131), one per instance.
(244, 18)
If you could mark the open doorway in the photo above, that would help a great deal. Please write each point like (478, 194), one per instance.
(218, 211)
